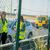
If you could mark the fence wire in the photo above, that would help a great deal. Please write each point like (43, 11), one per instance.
(10, 8)
(27, 44)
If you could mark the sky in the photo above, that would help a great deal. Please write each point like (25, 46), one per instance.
(35, 7)
(29, 7)
(48, 7)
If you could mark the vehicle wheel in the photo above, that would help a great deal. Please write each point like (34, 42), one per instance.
(9, 39)
(30, 35)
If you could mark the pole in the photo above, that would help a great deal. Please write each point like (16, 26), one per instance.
(48, 33)
(18, 25)
(48, 25)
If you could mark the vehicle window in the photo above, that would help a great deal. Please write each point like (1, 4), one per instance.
(27, 23)
(43, 18)
(39, 18)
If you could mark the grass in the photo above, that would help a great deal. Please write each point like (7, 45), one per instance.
(40, 45)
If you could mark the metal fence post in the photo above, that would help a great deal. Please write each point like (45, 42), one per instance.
(48, 33)
(18, 26)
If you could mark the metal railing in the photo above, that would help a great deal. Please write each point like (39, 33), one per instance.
(27, 44)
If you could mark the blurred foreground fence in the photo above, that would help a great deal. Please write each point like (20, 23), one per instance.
(27, 44)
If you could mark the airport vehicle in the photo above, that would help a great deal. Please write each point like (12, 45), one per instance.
(41, 21)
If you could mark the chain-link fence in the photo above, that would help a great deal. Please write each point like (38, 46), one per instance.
(10, 7)
(37, 43)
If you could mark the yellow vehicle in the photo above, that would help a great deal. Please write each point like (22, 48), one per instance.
(41, 21)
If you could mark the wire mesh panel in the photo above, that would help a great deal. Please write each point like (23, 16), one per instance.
(41, 44)
(11, 9)
(35, 20)
(28, 44)
(25, 45)
(36, 43)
